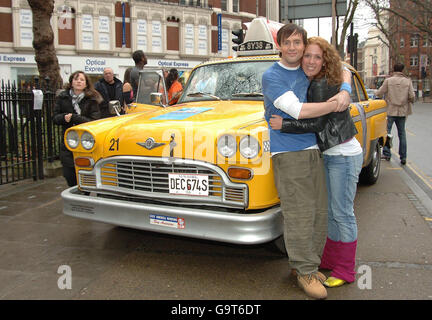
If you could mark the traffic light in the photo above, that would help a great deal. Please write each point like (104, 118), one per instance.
(239, 38)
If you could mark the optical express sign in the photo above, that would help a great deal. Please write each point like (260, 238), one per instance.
(96, 65)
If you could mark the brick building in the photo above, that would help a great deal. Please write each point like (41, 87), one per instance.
(90, 35)
(414, 47)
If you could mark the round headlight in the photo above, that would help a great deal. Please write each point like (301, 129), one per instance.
(87, 140)
(227, 145)
(249, 147)
(72, 139)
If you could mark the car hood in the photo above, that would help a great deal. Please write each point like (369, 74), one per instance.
(186, 130)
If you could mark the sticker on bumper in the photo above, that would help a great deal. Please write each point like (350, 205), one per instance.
(167, 221)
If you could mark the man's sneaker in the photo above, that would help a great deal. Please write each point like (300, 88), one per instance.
(312, 286)
(387, 158)
(403, 162)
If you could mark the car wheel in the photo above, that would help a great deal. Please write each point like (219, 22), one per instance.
(369, 174)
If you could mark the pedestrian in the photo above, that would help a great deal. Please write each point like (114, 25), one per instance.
(343, 158)
(297, 162)
(173, 86)
(399, 95)
(78, 103)
(140, 61)
(110, 88)
(128, 93)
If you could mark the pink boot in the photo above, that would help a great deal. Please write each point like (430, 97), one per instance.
(330, 254)
(344, 268)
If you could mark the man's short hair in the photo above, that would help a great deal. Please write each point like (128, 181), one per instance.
(287, 30)
(398, 67)
(138, 55)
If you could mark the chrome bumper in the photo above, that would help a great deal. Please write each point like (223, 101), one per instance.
(209, 224)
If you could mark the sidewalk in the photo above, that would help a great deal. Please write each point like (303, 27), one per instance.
(394, 257)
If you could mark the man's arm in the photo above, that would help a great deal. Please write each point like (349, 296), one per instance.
(290, 104)
(383, 90)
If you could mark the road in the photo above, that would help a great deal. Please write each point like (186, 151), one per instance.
(47, 255)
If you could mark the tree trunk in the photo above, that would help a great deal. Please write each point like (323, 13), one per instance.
(43, 42)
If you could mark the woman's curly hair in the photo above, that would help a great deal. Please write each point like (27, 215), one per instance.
(332, 66)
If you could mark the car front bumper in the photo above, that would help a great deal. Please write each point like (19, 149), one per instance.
(211, 224)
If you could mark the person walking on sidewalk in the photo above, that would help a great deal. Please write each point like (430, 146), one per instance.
(297, 162)
(343, 158)
(399, 95)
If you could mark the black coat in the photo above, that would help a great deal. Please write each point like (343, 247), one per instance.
(89, 106)
(331, 129)
(102, 87)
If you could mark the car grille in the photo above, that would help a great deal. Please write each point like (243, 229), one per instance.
(149, 177)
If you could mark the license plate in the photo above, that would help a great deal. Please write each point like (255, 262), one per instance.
(188, 184)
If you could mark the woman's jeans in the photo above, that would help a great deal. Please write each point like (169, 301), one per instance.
(400, 125)
(342, 174)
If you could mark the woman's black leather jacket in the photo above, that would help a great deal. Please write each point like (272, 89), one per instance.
(331, 129)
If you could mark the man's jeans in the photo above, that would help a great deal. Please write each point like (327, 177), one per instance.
(342, 174)
(400, 125)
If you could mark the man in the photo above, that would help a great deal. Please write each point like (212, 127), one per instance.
(140, 61)
(110, 88)
(399, 95)
(297, 163)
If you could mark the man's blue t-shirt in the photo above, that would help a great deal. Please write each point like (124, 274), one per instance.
(276, 81)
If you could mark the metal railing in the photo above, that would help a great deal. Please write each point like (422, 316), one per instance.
(28, 137)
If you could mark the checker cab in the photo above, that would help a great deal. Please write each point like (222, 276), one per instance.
(201, 168)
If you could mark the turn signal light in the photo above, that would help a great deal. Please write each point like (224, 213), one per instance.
(240, 173)
(84, 162)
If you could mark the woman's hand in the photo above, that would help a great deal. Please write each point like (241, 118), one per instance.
(68, 117)
(342, 99)
(276, 122)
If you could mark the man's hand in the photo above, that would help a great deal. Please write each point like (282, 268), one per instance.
(342, 99)
(275, 122)
(68, 117)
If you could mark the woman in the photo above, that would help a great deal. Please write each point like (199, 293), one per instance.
(128, 94)
(342, 158)
(78, 103)
(173, 86)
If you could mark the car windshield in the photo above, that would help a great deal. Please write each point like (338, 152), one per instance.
(226, 81)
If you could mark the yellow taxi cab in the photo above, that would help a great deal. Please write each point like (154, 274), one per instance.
(201, 168)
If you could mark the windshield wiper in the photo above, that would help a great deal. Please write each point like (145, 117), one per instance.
(248, 94)
(202, 94)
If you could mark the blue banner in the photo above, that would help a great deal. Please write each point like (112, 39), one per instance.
(219, 22)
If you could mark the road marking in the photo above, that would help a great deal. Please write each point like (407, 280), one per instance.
(428, 219)
(410, 165)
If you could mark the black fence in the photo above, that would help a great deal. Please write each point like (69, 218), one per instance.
(28, 137)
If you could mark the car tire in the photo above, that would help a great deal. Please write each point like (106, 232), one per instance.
(369, 174)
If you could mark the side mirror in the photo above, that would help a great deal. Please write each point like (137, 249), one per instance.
(114, 107)
(156, 98)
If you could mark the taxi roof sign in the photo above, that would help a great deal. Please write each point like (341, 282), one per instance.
(260, 38)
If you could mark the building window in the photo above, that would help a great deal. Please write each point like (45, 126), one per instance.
(413, 61)
(425, 41)
(414, 41)
(402, 42)
(224, 6)
(142, 34)
(87, 31)
(235, 5)
(104, 30)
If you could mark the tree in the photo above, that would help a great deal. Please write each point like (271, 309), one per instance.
(351, 9)
(43, 41)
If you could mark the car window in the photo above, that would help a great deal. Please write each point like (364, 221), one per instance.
(361, 93)
(354, 96)
(226, 81)
(150, 82)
